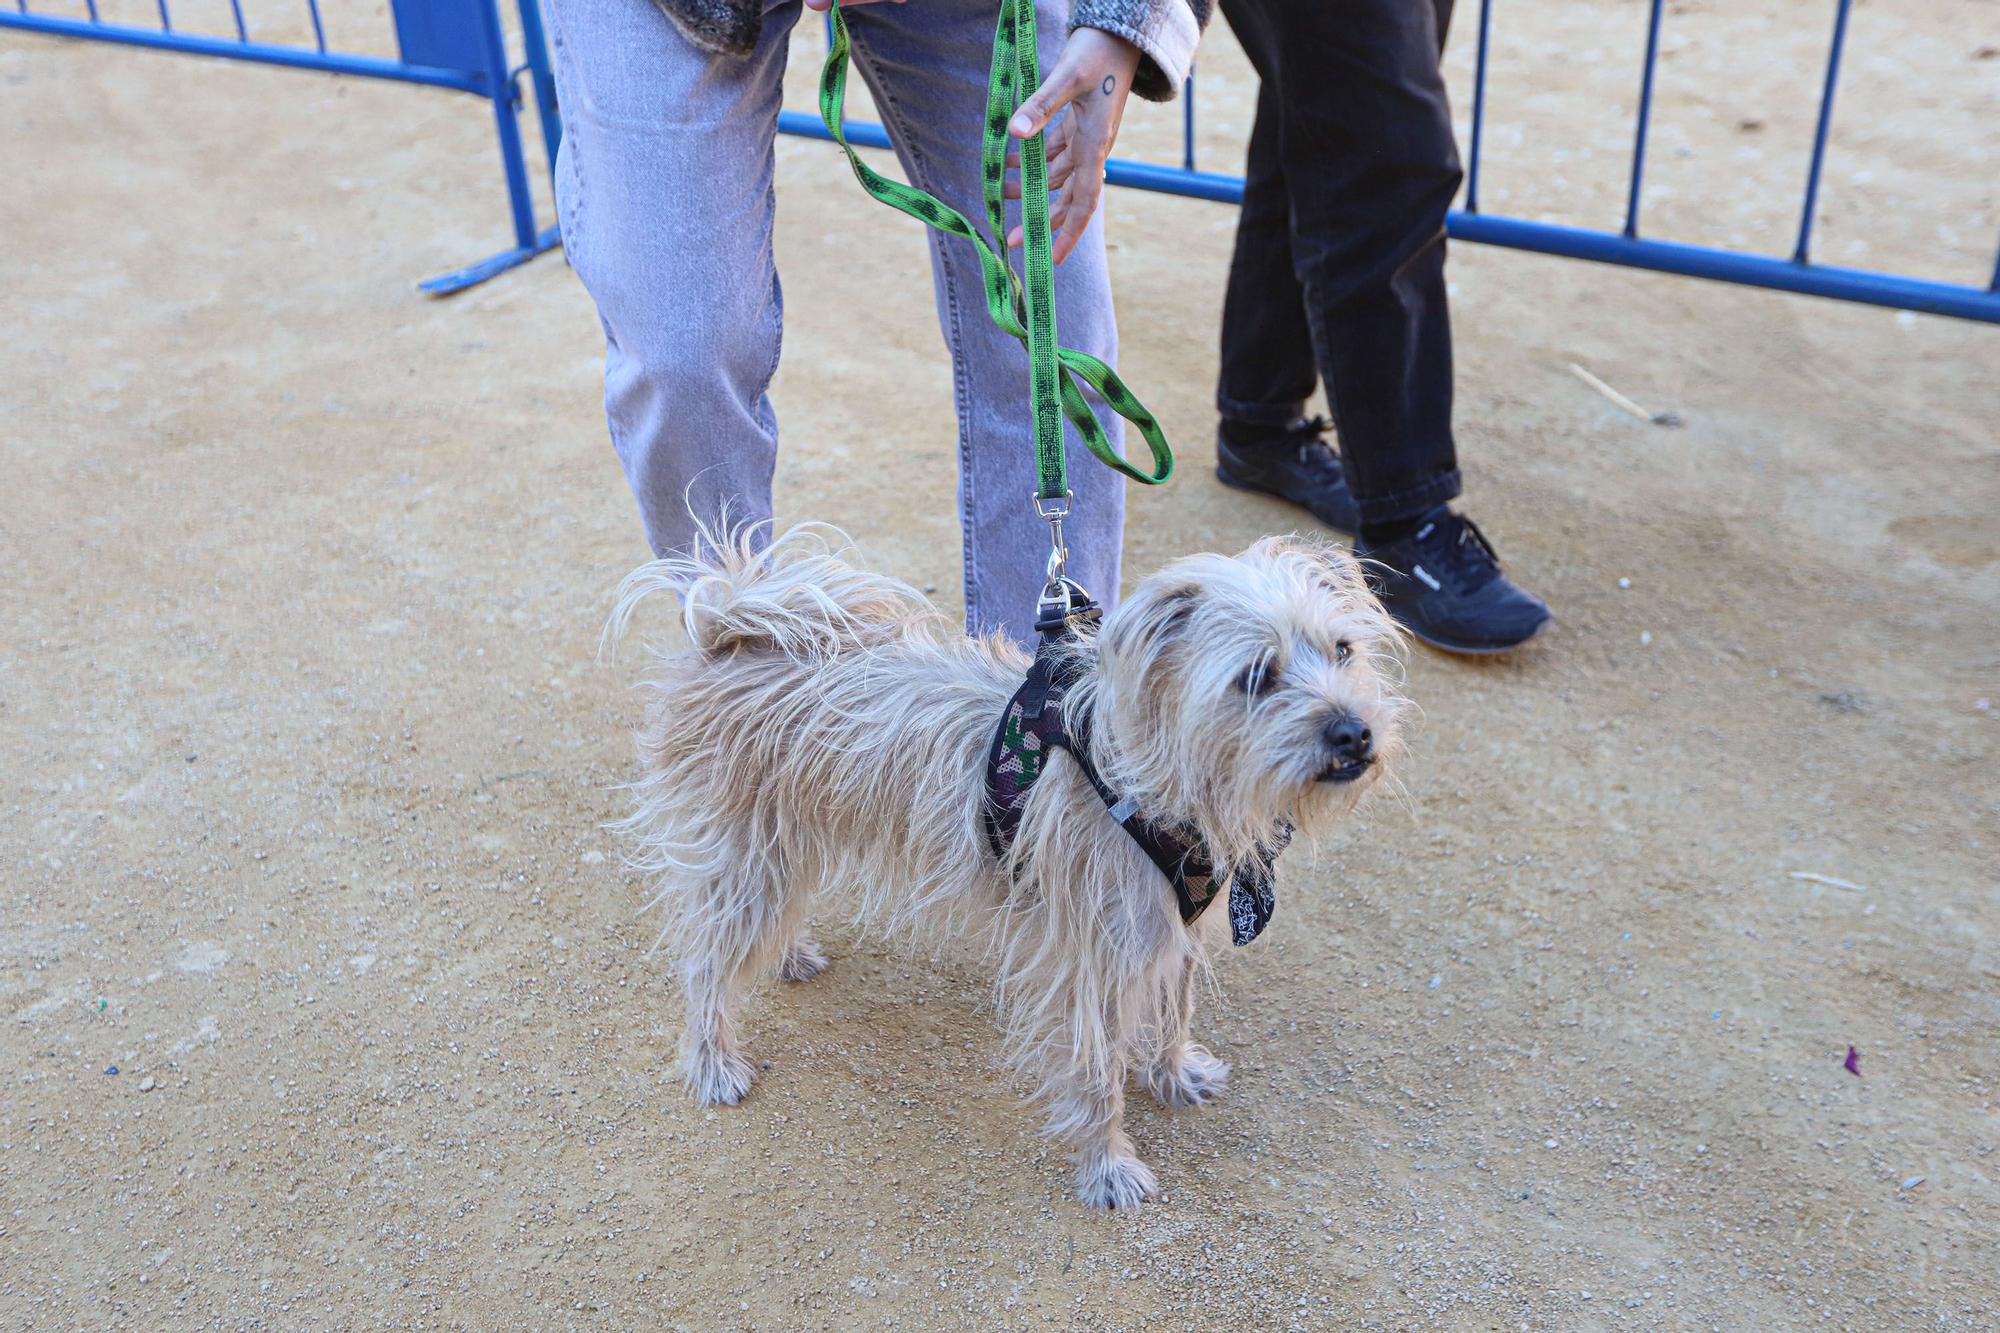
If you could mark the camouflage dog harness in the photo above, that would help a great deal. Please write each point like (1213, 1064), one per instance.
(1034, 724)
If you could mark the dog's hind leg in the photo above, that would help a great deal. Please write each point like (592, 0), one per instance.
(1183, 1072)
(732, 927)
(715, 1071)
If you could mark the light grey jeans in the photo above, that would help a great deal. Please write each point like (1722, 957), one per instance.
(664, 186)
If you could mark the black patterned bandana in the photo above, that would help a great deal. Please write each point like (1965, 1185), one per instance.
(1033, 724)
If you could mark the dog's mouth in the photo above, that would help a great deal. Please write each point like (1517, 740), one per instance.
(1346, 772)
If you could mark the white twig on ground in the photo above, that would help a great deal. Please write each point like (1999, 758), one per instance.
(1623, 403)
(1829, 881)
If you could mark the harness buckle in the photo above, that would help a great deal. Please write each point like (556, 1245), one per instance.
(1062, 597)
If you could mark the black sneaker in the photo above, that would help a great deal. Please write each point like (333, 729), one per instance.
(1443, 584)
(1296, 465)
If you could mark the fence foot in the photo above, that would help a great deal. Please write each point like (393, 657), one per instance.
(474, 274)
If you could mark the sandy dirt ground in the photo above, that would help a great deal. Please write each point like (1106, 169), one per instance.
(322, 993)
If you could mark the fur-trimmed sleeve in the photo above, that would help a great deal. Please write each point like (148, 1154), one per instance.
(1165, 31)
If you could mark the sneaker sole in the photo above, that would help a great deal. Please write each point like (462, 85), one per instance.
(1458, 649)
(1235, 485)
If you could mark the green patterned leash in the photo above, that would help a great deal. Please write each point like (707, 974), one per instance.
(1024, 309)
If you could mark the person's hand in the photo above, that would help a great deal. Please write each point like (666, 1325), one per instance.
(1092, 78)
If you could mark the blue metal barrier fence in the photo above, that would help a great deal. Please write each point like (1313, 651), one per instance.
(459, 44)
(1796, 273)
(455, 44)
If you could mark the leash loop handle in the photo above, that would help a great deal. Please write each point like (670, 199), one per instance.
(1022, 309)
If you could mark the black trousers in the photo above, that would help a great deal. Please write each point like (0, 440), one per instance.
(1339, 267)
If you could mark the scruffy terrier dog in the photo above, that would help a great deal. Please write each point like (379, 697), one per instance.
(828, 730)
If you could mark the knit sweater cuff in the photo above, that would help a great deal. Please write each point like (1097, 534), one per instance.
(1165, 31)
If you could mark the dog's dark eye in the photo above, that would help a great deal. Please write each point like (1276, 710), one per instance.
(1258, 677)
(1341, 652)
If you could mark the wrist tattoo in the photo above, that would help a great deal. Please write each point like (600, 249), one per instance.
(1110, 83)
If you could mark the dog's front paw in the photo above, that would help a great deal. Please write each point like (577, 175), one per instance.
(1111, 1181)
(716, 1077)
(1196, 1076)
(803, 961)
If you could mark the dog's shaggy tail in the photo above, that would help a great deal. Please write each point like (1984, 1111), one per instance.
(798, 596)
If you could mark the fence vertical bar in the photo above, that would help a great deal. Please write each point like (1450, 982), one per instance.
(543, 78)
(166, 21)
(1645, 121)
(236, 9)
(1478, 107)
(89, 5)
(1799, 254)
(319, 29)
(1187, 122)
(500, 82)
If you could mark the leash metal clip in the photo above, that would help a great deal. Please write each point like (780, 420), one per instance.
(1053, 512)
(1061, 594)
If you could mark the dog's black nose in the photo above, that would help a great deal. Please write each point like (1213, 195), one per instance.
(1350, 738)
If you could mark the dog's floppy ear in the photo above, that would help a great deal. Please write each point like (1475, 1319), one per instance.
(1151, 619)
